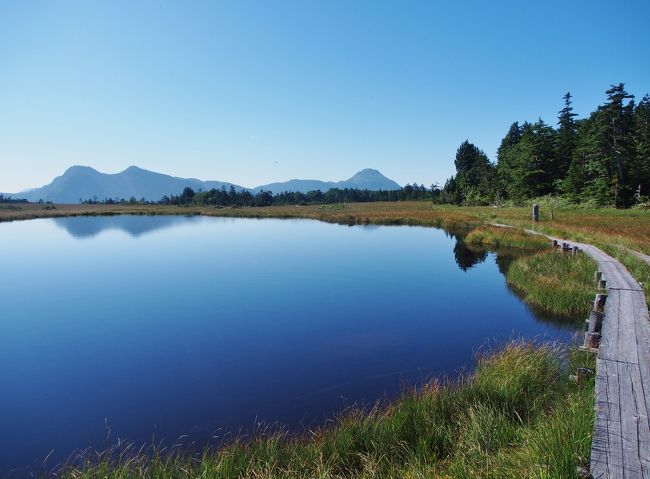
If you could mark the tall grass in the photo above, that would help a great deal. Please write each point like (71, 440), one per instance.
(518, 415)
(488, 235)
(558, 282)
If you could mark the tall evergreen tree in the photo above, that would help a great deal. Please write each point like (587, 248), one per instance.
(609, 166)
(506, 164)
(528, 167)
(545, 169)
(641, 170)
(566, 136)
(475, 175)
(574, 183)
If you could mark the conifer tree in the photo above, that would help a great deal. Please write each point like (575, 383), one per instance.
(566, 136)
(641, 134)
(506, 159)
(609, 166)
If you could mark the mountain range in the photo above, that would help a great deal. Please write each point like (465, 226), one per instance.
(83, 182)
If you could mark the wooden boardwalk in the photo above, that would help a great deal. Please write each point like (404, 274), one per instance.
(621, 441)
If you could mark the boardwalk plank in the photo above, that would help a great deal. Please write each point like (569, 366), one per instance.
(609, 332)
(632, 411)
(642, 326)
(607, 444)
(627, 339)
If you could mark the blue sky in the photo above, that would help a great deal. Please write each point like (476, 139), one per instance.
(254, 92)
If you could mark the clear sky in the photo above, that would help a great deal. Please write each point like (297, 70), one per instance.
(254, 92)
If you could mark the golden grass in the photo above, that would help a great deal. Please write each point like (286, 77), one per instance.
(407, 212)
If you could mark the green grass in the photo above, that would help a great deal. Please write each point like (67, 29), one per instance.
(555, 281)
(488, 235)
(518, 415)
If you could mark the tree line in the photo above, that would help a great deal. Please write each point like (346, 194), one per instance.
(232, 197)
(241, 198)
(601, 160)
(9, 199)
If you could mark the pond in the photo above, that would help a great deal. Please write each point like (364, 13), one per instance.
(169, 326)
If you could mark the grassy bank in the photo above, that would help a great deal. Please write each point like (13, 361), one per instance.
(494, 236)
(555, 281)
(549, 279)
(518, 415)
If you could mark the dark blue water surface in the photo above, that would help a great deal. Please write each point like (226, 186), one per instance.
(174, 325)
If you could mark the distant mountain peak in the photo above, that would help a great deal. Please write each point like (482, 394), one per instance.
(80, 169)
(366, 179)
(367, 174)
(372, 179)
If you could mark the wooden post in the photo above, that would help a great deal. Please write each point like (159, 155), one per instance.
(535, 212)
(593, 327)
(595, 321)
(592, 340)
(599, 302)
(575, 250)
(602, 284)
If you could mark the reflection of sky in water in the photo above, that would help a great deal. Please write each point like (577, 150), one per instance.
(185, 325)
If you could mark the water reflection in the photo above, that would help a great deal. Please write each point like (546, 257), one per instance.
(467, 256)
(136, 226)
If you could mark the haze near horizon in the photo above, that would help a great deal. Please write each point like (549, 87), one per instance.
(259, 92)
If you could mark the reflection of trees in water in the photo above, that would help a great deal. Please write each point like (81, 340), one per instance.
(134, 225)
(467, 256)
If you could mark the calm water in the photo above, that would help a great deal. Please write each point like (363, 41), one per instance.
(173, 325)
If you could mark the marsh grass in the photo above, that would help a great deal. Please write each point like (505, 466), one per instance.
(557, 282)
(518, 415)
(493, 236)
